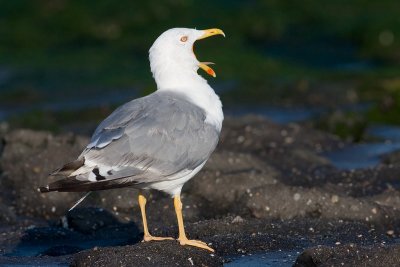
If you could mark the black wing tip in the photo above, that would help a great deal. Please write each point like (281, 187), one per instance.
(68, 168)
(44, 189)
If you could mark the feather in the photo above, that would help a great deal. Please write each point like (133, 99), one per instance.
(69, 168)
(79, 201)
(155, 139)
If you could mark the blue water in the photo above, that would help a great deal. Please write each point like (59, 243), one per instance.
(282, 115)
(367, 155)
(33, 262)
(361, 155)
(267, 259)
(388, 133)
(3, 115)
(83, 101)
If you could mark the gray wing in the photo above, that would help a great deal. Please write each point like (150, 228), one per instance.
(152, 138)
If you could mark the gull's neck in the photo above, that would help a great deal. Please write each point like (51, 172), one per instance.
(194, 87)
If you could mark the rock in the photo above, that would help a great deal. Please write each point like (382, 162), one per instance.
(235, 173)
(350, 255)
(60, 251)
(267, 187)
(237, 219)
(285, 202)
(29, 156)
(390, 232)
(166, 253)
(255, 134)
(7, 214)
(388, 198)
(4, 128)
(227, 238)
(89, 220)
(27, 159)
(392, 158)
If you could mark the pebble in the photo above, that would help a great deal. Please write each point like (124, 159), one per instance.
(390, 232)
(335, 199)
(238, 219)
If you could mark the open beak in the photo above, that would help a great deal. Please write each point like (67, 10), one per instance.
(204, 65)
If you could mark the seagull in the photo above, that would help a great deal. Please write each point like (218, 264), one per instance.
(159, 141)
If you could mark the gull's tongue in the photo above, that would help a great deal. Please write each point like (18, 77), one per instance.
(210, 71)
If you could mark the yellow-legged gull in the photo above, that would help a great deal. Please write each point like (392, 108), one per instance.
(159, 141)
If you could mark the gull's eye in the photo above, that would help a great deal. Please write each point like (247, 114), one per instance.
(184, 38)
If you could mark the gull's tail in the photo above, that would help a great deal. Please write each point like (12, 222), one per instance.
(80, 200)
(66, 170)
(76, 177)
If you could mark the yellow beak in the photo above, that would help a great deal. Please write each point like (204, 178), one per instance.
(211, 32)
(204, 65)
(210, 71)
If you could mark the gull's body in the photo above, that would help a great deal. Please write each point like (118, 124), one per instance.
(159, 141)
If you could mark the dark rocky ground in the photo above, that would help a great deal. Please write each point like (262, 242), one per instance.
(266, 188)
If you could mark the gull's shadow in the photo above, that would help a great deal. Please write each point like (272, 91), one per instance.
(80, 229)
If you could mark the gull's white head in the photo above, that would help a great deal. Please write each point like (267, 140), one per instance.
(172, 60)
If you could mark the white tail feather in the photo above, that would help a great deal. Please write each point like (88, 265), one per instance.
(80, 200)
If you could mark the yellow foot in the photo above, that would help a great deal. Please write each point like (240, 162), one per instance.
(155, 238)
(194, 243)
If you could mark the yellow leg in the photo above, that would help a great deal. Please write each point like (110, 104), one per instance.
(182, 235)
(147, 236)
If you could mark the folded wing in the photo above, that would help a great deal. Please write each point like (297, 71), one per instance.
(147, 140)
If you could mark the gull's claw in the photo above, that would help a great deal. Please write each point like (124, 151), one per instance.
(195, 243)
